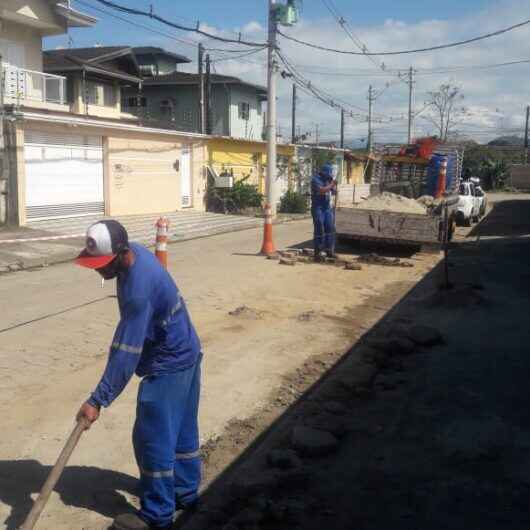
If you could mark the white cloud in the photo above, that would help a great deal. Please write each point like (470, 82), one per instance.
(486, 90)
(496, 97)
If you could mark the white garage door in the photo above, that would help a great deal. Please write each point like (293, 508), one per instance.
(64, 175)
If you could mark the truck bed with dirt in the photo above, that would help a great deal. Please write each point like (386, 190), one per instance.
(398, 220)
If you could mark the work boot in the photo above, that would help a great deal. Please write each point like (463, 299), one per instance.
(330, 254)
(132, 521)
(319, 256)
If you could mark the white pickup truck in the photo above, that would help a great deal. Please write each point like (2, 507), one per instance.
(468, 209)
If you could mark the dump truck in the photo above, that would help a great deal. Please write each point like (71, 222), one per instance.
(410, 176)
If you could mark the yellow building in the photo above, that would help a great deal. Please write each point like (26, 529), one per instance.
(248, 158)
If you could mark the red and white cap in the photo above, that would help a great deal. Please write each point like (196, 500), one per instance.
(104, 241)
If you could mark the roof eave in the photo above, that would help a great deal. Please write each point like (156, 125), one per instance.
(74, 18)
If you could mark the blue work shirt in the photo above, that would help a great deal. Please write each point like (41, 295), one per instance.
(319, 200)
(155, 334)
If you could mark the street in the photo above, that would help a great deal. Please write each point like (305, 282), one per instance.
(59, 323)
(433, 434)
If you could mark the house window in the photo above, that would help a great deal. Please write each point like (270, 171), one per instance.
(187, 117)
(167, 109)
(100, 94)
(244, 111)
(134, 101)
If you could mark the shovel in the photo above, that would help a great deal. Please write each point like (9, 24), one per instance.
(54, 475)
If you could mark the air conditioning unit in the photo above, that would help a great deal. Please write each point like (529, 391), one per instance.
(225, 180)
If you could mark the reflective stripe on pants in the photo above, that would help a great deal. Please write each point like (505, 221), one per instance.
(166, 426)
(323, 228)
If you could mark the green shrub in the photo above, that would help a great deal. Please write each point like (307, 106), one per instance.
(293, 202)
(234, 200)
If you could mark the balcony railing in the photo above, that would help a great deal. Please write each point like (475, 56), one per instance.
(21, 84)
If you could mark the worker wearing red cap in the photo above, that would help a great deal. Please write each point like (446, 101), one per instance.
(155, 339)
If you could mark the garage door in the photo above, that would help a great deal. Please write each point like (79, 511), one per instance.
(64, 175)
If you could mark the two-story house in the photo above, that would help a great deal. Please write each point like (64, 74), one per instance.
(171, 99)
(70, 149)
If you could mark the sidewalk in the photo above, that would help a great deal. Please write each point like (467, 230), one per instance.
(44, 243)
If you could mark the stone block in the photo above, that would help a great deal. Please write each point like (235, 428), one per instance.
(312, 442)
(424, 335)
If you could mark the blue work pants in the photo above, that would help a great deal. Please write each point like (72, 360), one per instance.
(166, 443)
(324, 229)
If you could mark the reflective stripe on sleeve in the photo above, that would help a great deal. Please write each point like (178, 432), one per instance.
(174, 310)
(188, 456)
(127, 348)
(157, 474)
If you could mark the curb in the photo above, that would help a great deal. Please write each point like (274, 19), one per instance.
(40, 262)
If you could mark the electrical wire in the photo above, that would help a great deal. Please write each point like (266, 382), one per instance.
(136, 24)
(403, 52)
(151, 14)
(342, 22)
(237, 57)
(420, 72)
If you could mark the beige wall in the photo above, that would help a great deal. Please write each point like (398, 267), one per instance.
(139, 172)
(28, 37)
(37, 14)
(78, 106)
(142, 177)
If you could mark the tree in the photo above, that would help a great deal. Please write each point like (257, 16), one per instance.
(507, 140)
(444, 110)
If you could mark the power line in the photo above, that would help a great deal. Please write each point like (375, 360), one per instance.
(137, 24)
(161, 33)
(342, 22)
(237, 57)
(421, 72)
(151, 14)
(402, 52)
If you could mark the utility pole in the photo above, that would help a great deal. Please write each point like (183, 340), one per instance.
(370, 105)
(411, 92)
(317, 136)
(526, 135)
(342, 128)
(4, 175)
(202, 113)
(270, 204)
(293, 117)
(208, 104)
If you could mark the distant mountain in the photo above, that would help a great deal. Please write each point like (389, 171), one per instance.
(507, 140)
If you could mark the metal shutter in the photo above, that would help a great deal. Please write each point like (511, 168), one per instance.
(64, 175)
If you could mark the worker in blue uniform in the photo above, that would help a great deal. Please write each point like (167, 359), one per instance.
(155, 339)
(322, 186)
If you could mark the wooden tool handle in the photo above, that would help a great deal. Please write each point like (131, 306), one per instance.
(53, 477)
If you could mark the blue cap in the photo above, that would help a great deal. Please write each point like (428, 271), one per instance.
(327, 170)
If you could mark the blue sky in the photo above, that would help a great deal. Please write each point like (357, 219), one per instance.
(494, 98)
(237, 13)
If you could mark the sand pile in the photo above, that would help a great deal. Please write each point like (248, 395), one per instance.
(391, 202)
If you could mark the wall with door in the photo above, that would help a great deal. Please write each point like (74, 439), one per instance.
(153, 174)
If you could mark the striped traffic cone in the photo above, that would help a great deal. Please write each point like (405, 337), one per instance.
(268, 245)
(162, 226)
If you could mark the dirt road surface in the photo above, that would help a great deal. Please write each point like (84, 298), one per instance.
(57, 323)
(431, 433)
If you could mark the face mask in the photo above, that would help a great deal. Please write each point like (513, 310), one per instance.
(111, 270)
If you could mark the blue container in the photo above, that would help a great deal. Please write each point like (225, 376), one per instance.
(451, 172)
(433, 174)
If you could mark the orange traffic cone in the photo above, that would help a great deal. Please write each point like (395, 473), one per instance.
(268, 245)
(162, 226)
